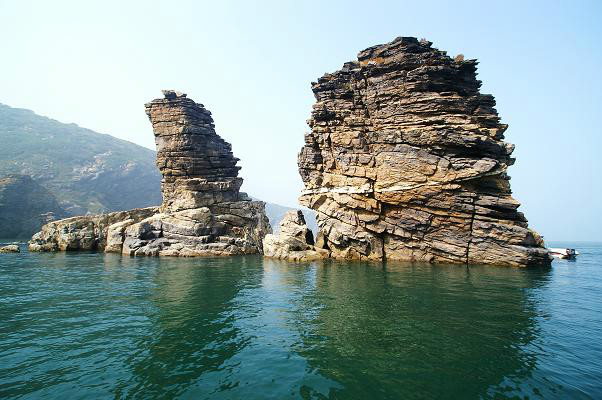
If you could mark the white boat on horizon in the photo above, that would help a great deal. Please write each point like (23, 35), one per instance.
(563, 253)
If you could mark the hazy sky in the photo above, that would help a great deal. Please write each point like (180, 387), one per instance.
(251, 64)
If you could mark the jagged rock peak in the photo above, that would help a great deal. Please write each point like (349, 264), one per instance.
(197, 166)
(405, 160)
(172, 94)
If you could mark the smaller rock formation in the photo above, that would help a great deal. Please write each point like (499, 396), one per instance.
(202, 213)
(11, 248)
(294, 242)
(89, 232)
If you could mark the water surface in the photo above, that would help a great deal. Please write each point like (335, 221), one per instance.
(90, 325)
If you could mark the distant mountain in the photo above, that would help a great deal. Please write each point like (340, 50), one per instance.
(275, 213)
(87, 172)
(25, 206)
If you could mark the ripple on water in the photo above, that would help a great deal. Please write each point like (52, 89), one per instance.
(104, 326)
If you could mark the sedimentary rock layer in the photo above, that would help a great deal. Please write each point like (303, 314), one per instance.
(202, 213)
(406, 160)
(197, 165)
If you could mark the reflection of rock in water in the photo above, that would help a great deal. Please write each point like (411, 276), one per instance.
(192, 315)
(422, 328)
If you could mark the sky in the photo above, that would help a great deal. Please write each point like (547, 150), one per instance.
(96, 63)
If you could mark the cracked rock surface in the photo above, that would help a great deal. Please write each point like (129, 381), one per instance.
(294, 241)
(406, 160)
(202, 213)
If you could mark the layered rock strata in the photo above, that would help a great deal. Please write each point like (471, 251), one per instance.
(89, 232)
(196, 165)
(406, 160)
(294, 241)
(202, 213)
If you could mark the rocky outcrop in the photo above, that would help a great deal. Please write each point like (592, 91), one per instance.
(294, 241)
(202, 213)
(11, 248)
(90, 232)
(406, 161)
(25, 206)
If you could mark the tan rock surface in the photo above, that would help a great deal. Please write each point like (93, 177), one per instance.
(406, 160)
(294, 241)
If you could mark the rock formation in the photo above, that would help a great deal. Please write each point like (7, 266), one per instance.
(11, 248)
(89, 232)
(202, 213)
(405, 160)
(294, 241)
(197, 165)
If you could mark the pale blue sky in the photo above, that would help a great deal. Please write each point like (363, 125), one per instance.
(251, 64)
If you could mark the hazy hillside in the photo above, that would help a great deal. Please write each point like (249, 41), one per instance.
(275, 212)
(85, 170)
(25, 206)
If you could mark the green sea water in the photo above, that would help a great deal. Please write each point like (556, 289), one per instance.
(95, 326)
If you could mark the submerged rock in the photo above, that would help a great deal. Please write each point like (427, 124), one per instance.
(294, 241)
(405, 160)
(202, 213)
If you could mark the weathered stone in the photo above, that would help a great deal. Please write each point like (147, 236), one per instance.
(197, 166)
(405, 160)
(203, 213)
(294, 242)
(11, 248)
(89, 232)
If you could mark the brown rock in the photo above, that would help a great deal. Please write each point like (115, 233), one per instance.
(405, 160)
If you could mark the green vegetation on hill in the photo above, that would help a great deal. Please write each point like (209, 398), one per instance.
(25, 206)
(88, 172)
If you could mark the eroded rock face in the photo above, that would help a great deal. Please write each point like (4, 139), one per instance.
(202, 213)
(88, 232)
(197, 165)
(405, 160)
(294, 241)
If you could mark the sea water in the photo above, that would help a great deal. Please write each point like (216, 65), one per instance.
(95, 326)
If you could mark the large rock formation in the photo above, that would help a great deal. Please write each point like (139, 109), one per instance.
(197, 165)
(405, 160)
(202, 213)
